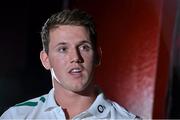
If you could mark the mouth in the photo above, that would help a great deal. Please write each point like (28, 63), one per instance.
(75, 71)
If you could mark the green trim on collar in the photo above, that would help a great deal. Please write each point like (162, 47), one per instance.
(29, 103)
(42, 99)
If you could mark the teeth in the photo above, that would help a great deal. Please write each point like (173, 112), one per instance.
(76, 70)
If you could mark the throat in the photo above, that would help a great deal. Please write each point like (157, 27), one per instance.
(73, 108)
(75, 104)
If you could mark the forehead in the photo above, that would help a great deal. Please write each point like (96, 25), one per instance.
(65, 32)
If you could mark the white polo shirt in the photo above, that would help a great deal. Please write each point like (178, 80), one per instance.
(45, 107)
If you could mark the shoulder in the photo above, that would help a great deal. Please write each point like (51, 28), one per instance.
(21, 110)
(106, 108)
(120, 112)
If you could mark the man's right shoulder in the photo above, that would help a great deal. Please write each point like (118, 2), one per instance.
(21, 110)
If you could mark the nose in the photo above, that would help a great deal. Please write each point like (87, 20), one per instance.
(76, 56)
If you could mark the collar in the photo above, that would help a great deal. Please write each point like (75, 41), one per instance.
(101, 107)
(50, 102)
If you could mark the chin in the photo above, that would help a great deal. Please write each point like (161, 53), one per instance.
(83, 90)
(80, 89)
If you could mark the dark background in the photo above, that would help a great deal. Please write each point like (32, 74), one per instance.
(21, 75)
(174, 90)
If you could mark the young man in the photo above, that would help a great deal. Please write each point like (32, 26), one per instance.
(71, 54)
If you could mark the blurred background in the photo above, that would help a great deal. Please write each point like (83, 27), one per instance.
(140, 41)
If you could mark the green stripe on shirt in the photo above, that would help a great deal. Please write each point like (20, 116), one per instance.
(27, 104)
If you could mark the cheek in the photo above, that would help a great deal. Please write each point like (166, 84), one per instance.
(58, 61)
(59, 67)
(89, 59)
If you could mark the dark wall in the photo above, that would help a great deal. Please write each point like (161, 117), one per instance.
(21, 75)
(174, 96)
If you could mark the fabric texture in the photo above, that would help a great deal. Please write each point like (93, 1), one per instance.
(45, 107)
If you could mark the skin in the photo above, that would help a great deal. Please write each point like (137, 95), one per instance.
(70, 48)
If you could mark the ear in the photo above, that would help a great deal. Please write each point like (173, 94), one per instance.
(98, 56)
(45, 60)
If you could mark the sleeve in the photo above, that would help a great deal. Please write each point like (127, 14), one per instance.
(122, 112)
(7, 114)
(15, 113)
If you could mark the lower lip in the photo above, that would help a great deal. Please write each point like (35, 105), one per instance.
(76, 75)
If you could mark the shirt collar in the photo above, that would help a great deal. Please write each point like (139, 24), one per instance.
(50, 102)
(101, 107)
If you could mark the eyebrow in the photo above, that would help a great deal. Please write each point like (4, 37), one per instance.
(81, 42)
(86, 41)
(61, 43)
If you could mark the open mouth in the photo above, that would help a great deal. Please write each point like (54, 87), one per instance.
(76, 70)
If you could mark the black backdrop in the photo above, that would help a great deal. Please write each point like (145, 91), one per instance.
(174, 89)
(21, 75)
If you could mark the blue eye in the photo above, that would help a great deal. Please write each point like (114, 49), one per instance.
(62, 49)
(85, 48)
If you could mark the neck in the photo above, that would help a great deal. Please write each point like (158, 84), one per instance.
(73, 103)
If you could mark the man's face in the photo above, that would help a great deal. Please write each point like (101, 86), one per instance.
(71, 56)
